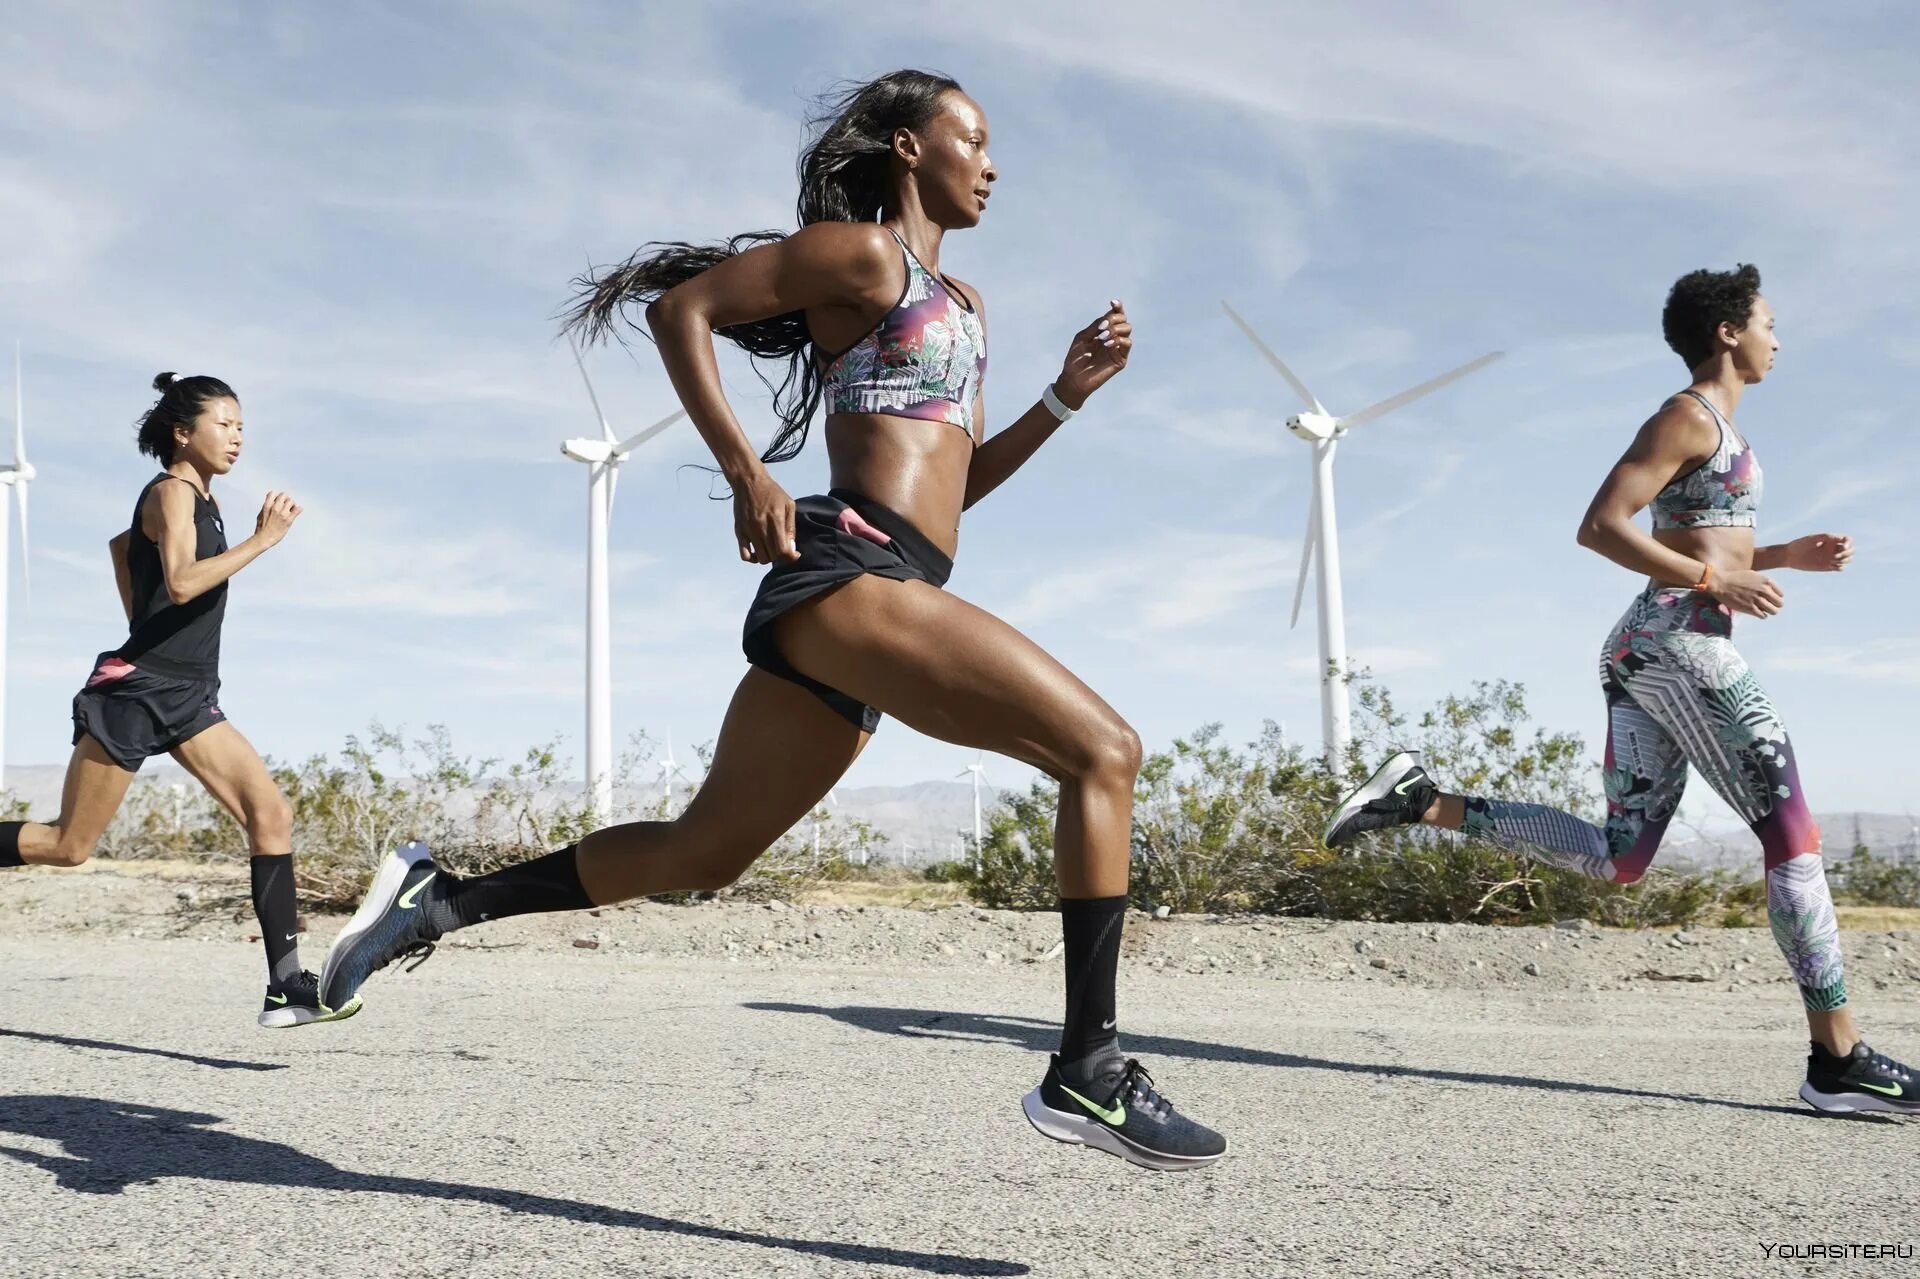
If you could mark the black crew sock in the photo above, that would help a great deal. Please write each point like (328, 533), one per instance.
(1092, 927)
(10, 844)
(273, 906)
(542, 885)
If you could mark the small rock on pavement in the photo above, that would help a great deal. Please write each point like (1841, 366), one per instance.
(1377, 963)
(1053, 952)
(1161, 912)
(1574, 925)
(1362, 946)
(1531, 970)
(776, 905)
(586, 943)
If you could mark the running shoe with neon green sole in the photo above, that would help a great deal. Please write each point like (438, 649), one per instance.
(1398, 794)
(1121, 1113)
(1863, 1080)
(395, 921)
(296, 1002)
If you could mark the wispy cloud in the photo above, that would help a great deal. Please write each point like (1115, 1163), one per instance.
(1842, 490)
(1891, 662)
(1172, 579)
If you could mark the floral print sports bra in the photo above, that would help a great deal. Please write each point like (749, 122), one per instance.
(1721, 492)
(926, 358)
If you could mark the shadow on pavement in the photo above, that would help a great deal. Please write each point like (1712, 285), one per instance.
(68, 1041)
(111, 1145)
(1043, 1036)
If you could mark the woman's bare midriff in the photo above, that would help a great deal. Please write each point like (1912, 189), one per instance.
(1729, 550)
(915, 468)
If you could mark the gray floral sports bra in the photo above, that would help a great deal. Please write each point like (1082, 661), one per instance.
(1721, 492)
(925, 358)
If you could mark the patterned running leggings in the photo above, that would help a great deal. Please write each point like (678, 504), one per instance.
(1678, 694)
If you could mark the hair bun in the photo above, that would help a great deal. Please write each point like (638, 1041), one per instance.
(162, 381)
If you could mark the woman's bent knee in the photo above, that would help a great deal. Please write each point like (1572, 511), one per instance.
(712, 874)
(1110, 753)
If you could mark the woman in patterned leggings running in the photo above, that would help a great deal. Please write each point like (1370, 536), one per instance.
(1677, 691)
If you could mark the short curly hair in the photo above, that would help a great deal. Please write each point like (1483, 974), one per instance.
(1700, 302)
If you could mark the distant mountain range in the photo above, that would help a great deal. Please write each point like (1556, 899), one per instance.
(932, 821)
(1892, 835)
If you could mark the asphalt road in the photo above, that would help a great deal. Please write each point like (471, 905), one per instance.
(537, 1111)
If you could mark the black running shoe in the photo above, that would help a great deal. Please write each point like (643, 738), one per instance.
(1122, 1114)
(1398, 794)
(392, 923)
(296, 1002)
(1862, 1080)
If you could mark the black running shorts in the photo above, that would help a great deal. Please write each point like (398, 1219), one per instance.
(134, 712)
(840, 537)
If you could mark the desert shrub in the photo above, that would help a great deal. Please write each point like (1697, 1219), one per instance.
(1013, 867)
(383, 788)
(1222, 830)
(1866, 879)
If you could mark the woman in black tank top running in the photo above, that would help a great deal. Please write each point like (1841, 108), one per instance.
(159, 691)
(852, 620)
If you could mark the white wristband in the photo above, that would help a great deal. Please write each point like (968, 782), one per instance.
(1054, 406)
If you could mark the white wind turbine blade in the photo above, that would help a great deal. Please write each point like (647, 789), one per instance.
(1306, 555)
(26, 561)
(606, 431)
(19, 413)
(1299, 387)
(631, 443)
(1388, 405)
(23, 473)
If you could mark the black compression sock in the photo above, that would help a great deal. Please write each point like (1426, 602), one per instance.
(1091, 927)
(10, 844)
(542, 885)
(279, 917)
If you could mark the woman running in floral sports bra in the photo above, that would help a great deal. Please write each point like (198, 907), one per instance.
(851, 620)
(1677, 691)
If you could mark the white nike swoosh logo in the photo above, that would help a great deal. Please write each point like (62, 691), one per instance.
(1108, 1023)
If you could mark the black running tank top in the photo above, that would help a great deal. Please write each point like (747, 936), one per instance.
(182, 640)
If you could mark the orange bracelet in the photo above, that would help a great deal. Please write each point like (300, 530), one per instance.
(1706, 577)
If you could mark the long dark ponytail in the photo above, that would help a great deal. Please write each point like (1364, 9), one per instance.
(844, 177)
(179, 405)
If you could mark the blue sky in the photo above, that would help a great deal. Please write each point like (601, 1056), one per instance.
(365, 219)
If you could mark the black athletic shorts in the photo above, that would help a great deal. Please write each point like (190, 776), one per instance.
(840, 537)
(134, 712)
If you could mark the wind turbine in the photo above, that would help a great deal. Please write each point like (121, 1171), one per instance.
(1324, 432)
(13, 483)
(603, 457)
(669, 769)
(833, 797)
(979, 770)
